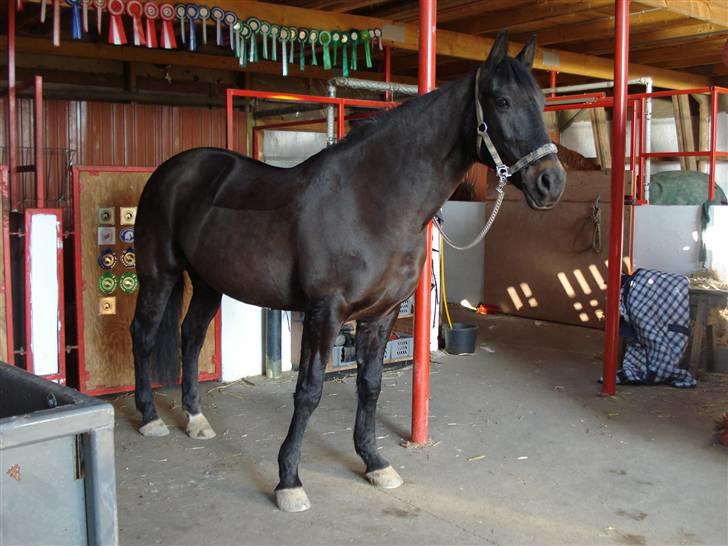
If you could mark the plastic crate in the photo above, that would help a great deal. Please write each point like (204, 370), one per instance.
(400, 349)
(407, 307)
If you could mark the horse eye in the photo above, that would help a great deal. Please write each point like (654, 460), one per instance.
(501, 102)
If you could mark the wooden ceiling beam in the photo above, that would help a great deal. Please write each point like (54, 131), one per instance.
(403, 36)
(701, 48)
(602, 27)
(710, 11)
(689, 31)
(449, 10)
(545, 9)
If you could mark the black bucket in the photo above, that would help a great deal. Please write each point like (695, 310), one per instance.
(460, 339)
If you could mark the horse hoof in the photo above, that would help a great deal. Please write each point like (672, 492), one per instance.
(154, 429)
(199, 428)
(386, 478)
(292, 500)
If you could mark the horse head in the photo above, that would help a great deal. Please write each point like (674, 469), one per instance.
(509, 105)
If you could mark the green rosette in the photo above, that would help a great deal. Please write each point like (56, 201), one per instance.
(366, 37)
(325, 41)
(107, 283)
(345, 55)
(302, 39)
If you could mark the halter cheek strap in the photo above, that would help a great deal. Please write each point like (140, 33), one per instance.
(503, 170)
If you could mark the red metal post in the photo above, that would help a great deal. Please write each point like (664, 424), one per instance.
(341, 121)
(713, 141)
(643, 127)
(229, 118)
(616, 224)
(12, 116)
(388, 71)
(633, 152)
(552, 81)
(421, 372)
(39, 144)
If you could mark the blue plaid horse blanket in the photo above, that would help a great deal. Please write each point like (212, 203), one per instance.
(655, 311)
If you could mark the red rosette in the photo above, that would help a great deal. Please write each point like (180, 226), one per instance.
(151, 12)
(117, 36)
(135, 10)
(167, 39)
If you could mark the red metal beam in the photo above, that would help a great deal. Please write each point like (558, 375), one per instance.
(616, 226)
(39, 143)
(552, 81)
(421, 371)
(713, 142)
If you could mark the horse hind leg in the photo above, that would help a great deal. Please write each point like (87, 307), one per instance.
(204, 304)
(371, 340)
(321, 323)
(154, 297)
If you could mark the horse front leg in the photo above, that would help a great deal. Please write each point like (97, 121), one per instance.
(320, 326)
(371, 341)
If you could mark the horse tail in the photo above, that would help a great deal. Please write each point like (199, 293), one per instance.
(166, 354)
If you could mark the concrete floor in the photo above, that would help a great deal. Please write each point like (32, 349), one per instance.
(524, 452)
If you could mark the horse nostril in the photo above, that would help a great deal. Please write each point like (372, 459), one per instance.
(545, 182)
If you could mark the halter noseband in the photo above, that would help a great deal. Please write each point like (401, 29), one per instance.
(503, 170)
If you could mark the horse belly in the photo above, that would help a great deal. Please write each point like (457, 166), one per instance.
(247, 255)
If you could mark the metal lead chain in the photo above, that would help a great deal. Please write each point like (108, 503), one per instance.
(498, 202)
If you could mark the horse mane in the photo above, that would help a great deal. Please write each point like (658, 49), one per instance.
(370, 127)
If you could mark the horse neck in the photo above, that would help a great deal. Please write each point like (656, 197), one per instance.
(439, 132)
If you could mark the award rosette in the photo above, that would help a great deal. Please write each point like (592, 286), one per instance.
(128, 258)
(265, 32)
(275, 32)
(117, 36)
(75, 19)
(135, 10)
(107, 259)
(126, 235)
(84, 5)
(244, 36)
(336, 40)
(167, 38)
(366, 37)
(325, 41)
(129, 282)
(180, 11)
(218, 15)
(354, 40)
(292, 36)
(312, 39)
(344, 54)
(107, 283)
(230, 20)
(283, 37)
(193, 13)
(151, 12)
(100, 5)
(204, 14)
(255, 26)
(302, 39)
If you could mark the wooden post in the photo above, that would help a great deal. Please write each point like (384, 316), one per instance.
(600, 128)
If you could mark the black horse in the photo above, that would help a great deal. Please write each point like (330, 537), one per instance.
(340, 236)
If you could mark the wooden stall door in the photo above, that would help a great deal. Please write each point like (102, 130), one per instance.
(552, 265)
(105, 350)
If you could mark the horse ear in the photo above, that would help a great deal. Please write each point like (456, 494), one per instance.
(528, 52)
(499, 50)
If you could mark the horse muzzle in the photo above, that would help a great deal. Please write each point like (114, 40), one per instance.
(545, 184)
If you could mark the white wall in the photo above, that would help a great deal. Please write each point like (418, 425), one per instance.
(464, 268)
